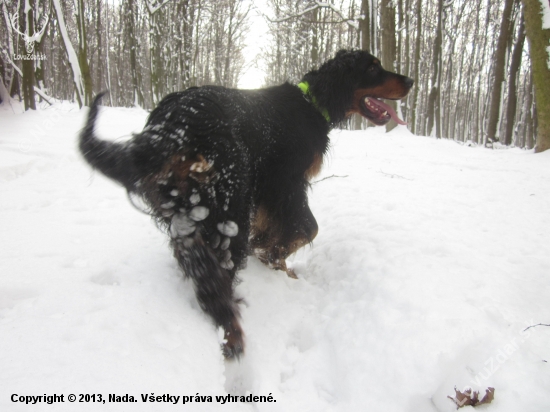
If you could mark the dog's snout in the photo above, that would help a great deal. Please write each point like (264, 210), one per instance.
(409, 82)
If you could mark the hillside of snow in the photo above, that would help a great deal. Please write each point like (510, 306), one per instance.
(431, 261)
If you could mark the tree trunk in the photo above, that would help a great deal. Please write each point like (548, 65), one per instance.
(107, 54)
(434, 100)
(529, 112)
(83, 53)
(26, 19)
(4, 94)
(398, 63)
(315, 39)
(387, 23)
(539, 40)
(72, 57)
(99, 47)
(187, 42)
(229, 46)
(132, 41)
(512, 82)
(498, 79)
(9, 72)
(364, 26)
(416, 76)
(407, 68)
(155, 61)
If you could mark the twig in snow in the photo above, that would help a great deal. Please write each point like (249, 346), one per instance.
(392, 175)
(538, 324)
(328, 177)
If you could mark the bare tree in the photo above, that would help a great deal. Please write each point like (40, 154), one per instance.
(71, 54)
(515, 64)
(417, 54)
(132, 43)
(539, 38)
(389, 51)
(25, 18)
(143, 49)
(495, 110)
(434, 102)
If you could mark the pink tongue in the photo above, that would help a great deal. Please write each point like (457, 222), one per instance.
(383, 106)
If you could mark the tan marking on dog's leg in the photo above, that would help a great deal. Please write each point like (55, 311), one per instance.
(261, 221)
(315, 167)
(201, 165)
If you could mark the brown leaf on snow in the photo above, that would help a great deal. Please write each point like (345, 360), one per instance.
(467, 398)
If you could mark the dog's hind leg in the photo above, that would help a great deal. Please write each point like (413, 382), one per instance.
(202, 202)
(213, 287)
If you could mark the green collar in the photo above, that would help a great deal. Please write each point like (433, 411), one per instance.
(304, 87)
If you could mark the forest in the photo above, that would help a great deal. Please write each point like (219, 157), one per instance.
(477, 64)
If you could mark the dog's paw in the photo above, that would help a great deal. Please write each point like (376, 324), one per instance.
(233, 345)
(291, 274)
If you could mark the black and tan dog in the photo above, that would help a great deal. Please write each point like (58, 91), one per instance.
(225, 172)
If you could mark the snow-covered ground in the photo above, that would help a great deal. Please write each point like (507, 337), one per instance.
(431, 260)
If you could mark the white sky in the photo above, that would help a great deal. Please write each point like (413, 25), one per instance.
(257, 38)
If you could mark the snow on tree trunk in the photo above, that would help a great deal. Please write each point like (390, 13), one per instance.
(4, 94)
(71, 54)
(9, 74)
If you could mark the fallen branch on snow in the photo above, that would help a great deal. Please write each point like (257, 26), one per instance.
(392, 175)
(328, 177)
(538, 324)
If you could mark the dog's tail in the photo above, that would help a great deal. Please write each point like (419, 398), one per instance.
(114, 160)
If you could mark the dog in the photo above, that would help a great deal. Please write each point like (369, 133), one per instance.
(225, 172)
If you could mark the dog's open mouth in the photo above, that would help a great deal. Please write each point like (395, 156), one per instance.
(379, 112)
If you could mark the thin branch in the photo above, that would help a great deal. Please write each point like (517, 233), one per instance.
(326, 22)
(393, 175)
(293, 15)
(328, 177)
(538, 324)
(318, 5)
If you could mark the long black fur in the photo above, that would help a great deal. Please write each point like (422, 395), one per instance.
(225, 172)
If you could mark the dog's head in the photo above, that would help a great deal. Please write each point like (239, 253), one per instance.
(354, 82)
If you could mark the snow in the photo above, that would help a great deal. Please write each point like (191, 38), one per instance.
(182, 225)
(545, 11)
(430, 262)
(199, 213)
(228, 228)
